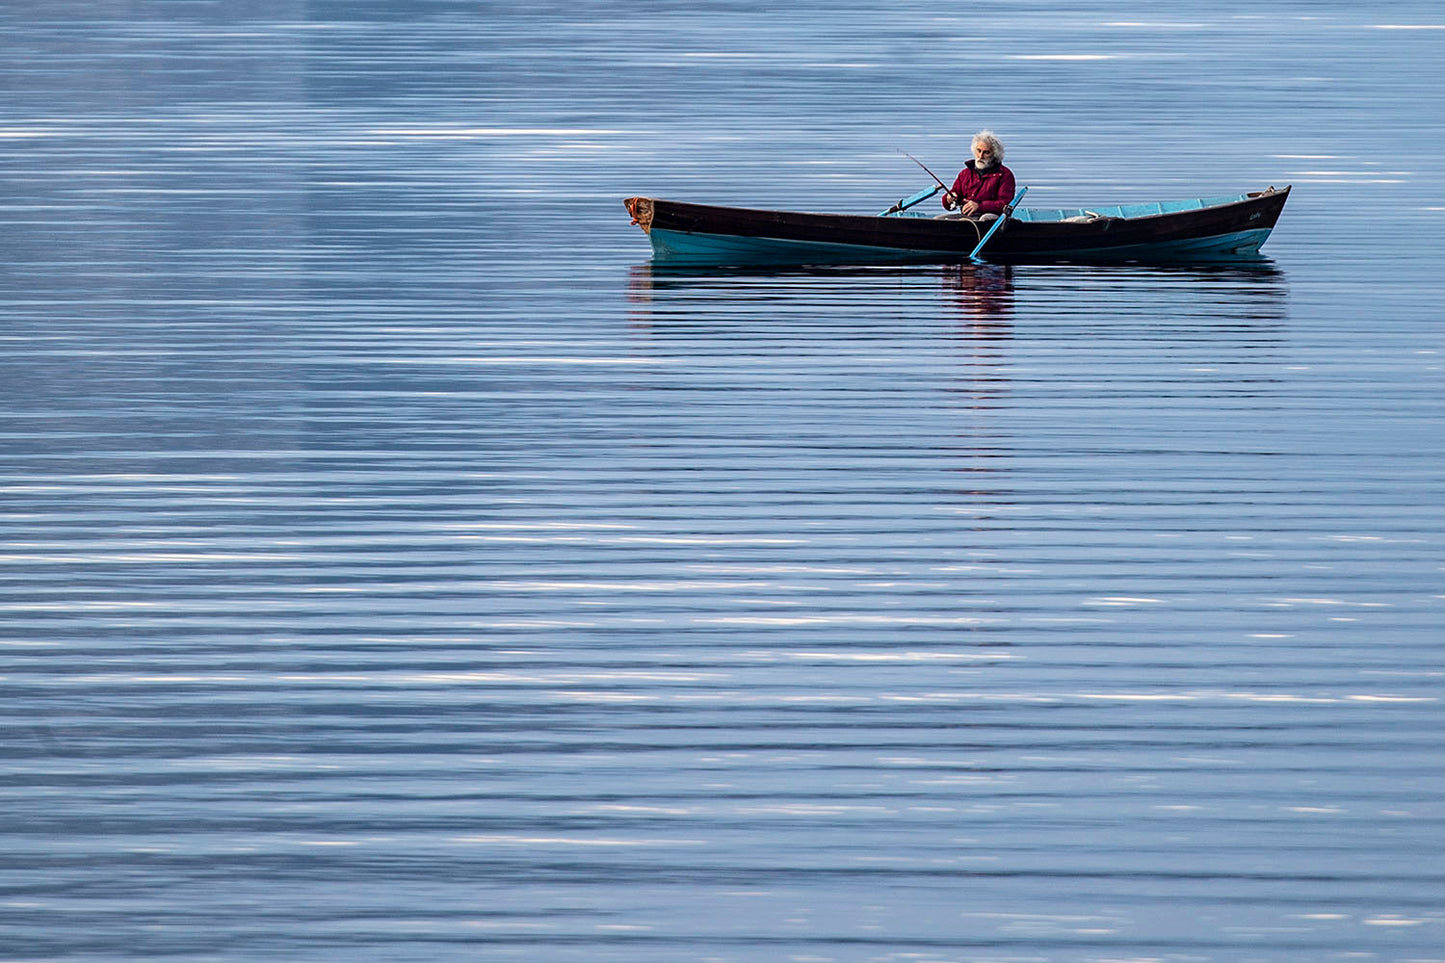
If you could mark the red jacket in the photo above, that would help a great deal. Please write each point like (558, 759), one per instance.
(993, 189)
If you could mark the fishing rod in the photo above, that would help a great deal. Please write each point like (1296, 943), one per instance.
(908, 202)
(927, 171)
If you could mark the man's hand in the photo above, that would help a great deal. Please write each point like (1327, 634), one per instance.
(970, 208)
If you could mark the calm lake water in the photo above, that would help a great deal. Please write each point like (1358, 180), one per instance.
(395, 565)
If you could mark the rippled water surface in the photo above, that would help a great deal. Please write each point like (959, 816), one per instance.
(397, 565)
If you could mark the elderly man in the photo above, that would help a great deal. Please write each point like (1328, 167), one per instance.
(984, 186)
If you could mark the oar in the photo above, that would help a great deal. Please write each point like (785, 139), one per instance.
(908, 202)
(996, 224)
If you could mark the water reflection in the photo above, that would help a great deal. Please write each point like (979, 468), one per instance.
(389, 571)
(983, 293)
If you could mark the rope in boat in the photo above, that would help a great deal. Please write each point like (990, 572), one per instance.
(977, 225)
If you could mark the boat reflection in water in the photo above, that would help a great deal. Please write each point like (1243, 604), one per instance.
(983, 294)
(821, 338)
(839, 302)
(1241, 289)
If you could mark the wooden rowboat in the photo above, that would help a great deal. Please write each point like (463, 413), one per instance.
(1202, 229)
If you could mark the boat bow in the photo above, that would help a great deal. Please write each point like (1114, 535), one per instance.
(641, 210)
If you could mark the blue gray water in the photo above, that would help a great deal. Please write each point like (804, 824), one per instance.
(396, 566)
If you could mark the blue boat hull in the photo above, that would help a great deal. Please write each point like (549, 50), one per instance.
(1198, 230)
(722, 249)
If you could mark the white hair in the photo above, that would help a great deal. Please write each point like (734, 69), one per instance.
(990, 139)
